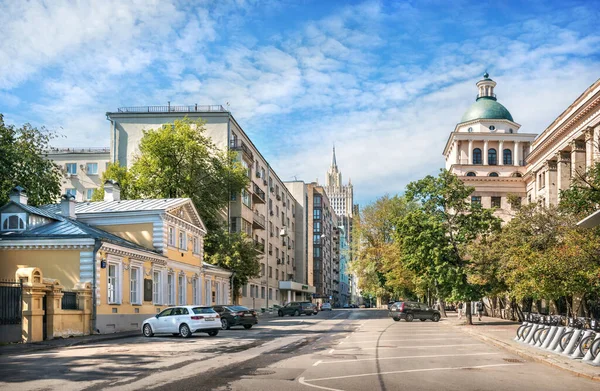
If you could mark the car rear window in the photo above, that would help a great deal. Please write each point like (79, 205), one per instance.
(203, 310)
(238, 308)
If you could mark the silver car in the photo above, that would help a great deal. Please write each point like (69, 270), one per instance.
(183, 320)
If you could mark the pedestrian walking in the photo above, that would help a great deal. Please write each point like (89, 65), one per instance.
(459, 309)
(479, 309)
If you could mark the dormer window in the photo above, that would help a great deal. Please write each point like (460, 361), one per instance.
(492, 128)
(13, 221)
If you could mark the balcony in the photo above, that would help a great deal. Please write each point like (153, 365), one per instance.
(258, 196)
(239, 145)
(259, 246)
(258, 220)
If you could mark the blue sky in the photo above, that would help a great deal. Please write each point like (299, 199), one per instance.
(385, 81)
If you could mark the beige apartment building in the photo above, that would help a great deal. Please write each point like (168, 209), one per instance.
(82, 169)
(265, 211)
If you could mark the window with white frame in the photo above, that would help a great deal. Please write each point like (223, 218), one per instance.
(91, 168)
(71, 168)
(171, 289)
(195, 297)
(72, 192)
(89, 193)
(156, 287)
(135, 285)
(171, 236)
(181, 290)
(113, 283)
(182, 240)
(195, 247)
(14, 221)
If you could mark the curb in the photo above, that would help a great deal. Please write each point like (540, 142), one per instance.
(528, 355)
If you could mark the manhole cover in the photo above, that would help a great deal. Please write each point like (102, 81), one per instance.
(515, 360)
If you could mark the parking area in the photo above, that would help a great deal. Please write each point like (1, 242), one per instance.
(386, 355)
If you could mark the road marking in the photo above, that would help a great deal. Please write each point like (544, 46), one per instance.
(402, 357)
(301, 381)
(410, 347)
(410, 371)
(403, 340)
(337, 316)
(331, 351)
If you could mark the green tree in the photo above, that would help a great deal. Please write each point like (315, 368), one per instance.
(434, 237)
(583, 195)
(236, 252)
(376, 256)
(23, 162)
(119, 173)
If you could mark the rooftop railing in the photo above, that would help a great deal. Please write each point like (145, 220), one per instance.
(80, 150)
(173, 109)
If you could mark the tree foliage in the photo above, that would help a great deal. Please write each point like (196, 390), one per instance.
(583, 195)
(23, 162)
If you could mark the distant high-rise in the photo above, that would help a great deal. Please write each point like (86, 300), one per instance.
(341, 196)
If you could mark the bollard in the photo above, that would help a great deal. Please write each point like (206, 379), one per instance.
(517, 336)
(549, 337)
(572, 343)
(577, 351)
(531, 332)
(588, 356)
(558, 349)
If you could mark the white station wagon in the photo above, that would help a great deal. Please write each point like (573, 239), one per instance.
(183, 320)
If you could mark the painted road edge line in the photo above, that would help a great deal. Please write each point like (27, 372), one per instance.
(403, 357)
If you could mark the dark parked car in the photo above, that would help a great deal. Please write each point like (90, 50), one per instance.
(297, 308)
(236, 315)
(409, 310)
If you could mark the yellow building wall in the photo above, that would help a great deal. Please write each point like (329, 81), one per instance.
(136, 233)
(184, 256)
(62, 265)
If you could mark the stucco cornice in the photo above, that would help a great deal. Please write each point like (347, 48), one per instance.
(47, 244)
(114, 249)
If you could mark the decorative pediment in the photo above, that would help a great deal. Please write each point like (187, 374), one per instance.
(187, 213)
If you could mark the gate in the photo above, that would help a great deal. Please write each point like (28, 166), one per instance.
(10, 310)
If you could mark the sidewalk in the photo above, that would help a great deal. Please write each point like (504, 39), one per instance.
(21, 348)
(501, 332)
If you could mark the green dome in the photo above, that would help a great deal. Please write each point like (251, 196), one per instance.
(486, 108)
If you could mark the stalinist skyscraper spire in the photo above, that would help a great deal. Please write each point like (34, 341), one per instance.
(341, 196)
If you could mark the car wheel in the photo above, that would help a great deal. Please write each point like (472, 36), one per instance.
(409, 317)
(422, 320)
(148, 330)
(396, 319)
(435, 318)
(184, 331)
(296, 313)
(213, 333)
(280, 313)
(224, 324)
(247, 326)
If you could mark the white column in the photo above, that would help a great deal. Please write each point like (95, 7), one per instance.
(457, 152)
(501, 153)
(517, 153)
(596, 145)
(589, 147)
(470, 152)
(485, 153)
(289, 296)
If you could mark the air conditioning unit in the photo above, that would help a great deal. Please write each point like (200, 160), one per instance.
(283, 232)
(257, 174)
(270, 252)
(264, 182)
(272, 189)
(271, 213)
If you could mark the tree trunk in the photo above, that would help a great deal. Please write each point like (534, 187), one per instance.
(468, 313)
(441, 304)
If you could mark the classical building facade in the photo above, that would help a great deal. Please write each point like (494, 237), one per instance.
(487, 151)
(82, 169)
(265, 210)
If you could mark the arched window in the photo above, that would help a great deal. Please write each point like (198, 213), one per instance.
(477, 156)
(507, 157)
(492, 157)
(516, 175)
(494, 174)
(471, 173)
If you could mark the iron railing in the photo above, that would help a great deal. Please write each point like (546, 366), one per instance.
(259, 219)
(173, 109)
(259, 193)
(79, 150)
(69, 301)
(10, 302)
(239, 145)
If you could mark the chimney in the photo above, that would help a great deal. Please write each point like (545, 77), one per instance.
(112, 190)
(67, 206)
(18, 195)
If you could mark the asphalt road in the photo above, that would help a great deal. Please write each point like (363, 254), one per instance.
(338, 350)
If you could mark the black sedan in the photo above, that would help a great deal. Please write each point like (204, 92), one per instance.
(236, 315)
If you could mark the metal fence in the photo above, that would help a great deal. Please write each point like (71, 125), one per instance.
(69, 301)
(10, 302)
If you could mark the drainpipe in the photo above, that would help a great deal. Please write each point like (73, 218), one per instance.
(96, 248)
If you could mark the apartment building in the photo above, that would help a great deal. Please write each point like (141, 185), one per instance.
(82, 169)
(265, 210)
